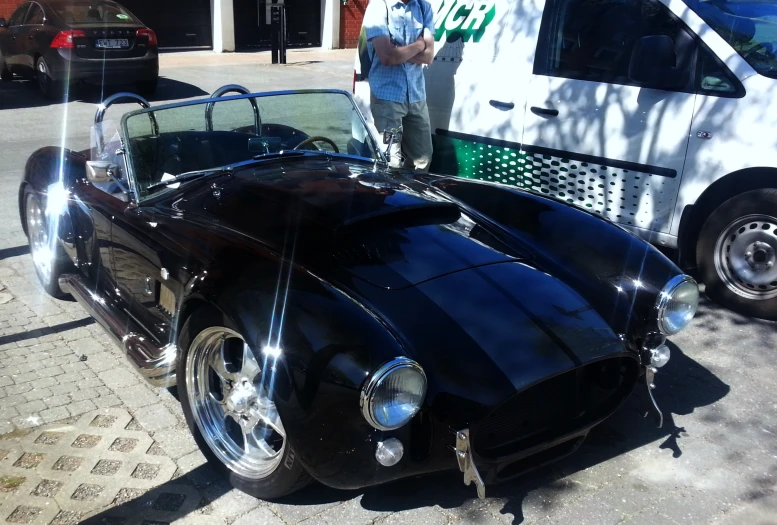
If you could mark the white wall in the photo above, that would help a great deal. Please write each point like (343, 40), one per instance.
(330, 24)
(223, 19)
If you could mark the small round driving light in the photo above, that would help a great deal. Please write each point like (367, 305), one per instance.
(389, 452)
(659, 356)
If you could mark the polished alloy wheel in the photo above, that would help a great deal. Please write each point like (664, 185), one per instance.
(231, 405)
(38, 232)
(746, 256)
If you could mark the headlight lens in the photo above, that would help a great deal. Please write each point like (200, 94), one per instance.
(393, 394)
(677, 304)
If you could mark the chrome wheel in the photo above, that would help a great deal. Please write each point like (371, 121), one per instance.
(38, 232)
(231, 405)
(746, 256)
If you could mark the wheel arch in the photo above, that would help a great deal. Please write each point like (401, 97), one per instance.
(330, 344)
(42, 169)
(729, 186)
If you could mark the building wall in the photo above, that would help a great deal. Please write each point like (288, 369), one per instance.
(7, 7)
(351, 18)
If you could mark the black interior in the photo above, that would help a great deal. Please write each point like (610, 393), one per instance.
(184, 151)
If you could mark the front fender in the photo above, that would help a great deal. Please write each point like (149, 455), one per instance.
(619, 274)
(329, 343)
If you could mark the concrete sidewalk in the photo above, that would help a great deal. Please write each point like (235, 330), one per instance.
(177, 59)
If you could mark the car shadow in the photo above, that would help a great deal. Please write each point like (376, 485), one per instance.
(20, 94)
(681, 388)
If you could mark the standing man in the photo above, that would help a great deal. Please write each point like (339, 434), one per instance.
(401, 35)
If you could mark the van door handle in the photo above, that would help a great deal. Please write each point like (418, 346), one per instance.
(501, 105)
(544, 111)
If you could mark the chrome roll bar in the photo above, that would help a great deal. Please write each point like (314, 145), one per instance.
(232, 88)
(100, 114)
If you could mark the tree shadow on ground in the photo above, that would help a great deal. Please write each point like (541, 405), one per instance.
(682, 388)
(24, 93)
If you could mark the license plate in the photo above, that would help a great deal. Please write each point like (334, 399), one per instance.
(112, 43)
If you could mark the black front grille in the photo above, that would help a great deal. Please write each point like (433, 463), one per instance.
(555, 407)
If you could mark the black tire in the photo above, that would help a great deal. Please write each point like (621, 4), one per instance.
(289, 476)
(49, 88)
(148, 87)
(5, 73)
(752, 217)
(60, 262)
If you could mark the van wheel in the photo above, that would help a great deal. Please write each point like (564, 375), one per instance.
(737, 254)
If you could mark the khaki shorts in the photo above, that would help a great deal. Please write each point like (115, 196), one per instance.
(416, 138)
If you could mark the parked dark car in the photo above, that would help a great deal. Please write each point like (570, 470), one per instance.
(326, 317)
(61, 42)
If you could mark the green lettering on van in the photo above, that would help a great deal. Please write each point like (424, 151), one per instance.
(464, 20)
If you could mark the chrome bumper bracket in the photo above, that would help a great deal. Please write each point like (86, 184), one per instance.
(466, 464)
(650, 375)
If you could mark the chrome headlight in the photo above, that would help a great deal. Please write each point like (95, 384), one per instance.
(393, 394)
(676, 304)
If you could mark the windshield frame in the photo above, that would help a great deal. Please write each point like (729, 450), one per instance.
(693, 6)
(125, 136)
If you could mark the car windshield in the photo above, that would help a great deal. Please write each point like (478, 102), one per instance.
(749, 26)
(93, 13)
(195, 136)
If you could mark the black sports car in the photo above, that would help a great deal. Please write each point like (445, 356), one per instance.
(326, 317)
(61, 42)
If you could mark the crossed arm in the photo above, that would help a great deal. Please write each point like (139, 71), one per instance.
(419, 52)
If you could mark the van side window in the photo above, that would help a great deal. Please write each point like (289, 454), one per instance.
(714, 78)
(593, 39)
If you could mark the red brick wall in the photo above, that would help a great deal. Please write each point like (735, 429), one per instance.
(9, 6)
(351, 16)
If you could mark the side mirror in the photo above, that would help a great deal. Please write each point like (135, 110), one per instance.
(654, 64)
(2, 23)
(98, 171)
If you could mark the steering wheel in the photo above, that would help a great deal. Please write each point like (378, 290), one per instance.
(755, 49)
(318, 138)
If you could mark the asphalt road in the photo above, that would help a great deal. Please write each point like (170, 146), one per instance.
(714, 461)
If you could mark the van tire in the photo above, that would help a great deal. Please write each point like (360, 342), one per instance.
(736, 254)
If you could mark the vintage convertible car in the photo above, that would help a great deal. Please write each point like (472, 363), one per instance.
(326, 317)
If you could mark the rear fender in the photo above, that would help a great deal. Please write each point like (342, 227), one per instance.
(47, 166)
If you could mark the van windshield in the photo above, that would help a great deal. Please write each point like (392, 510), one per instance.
(749, 26)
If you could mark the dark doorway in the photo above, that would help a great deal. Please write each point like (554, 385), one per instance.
(252, 28)
(177, 24)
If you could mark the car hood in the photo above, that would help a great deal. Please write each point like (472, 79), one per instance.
(489, 332)
(348, 220)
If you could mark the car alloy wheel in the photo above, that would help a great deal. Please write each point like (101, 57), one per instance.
(231, 405)
(746, 256)
(37, 229)
(43, 78)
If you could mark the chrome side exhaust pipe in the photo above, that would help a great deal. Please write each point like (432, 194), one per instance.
(157, 364)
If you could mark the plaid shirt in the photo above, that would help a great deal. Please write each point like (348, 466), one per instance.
(406, 22)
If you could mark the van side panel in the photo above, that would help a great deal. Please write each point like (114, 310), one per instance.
(736, 133)
(478, 81)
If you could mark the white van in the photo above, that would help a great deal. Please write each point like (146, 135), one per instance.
(660, 115)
